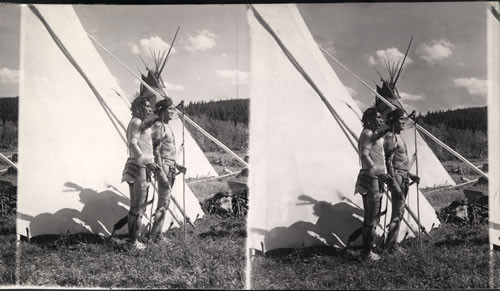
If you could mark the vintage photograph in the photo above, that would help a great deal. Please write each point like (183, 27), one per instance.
(133, 145)
(250, 146)
(369, 146)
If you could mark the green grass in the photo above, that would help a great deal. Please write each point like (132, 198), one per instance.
(454, 258)
(7, 250)
(211, 258)
(495, 269)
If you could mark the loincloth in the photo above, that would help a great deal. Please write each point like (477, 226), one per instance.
(131, 171)
(171, 170)
(366, 183)
(405, 181)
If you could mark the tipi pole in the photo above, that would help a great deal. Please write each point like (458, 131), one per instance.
(418, 192)
(183, 174)
(385, 216)
(217, 142)
(4, 158)
(420, 128)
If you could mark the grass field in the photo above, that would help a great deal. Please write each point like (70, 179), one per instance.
(7, 250)
(213, 257)
(454, 258)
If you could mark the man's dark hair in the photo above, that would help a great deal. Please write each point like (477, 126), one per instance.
(163, 105)
(394, 116)
(138, 104)
(369, 115)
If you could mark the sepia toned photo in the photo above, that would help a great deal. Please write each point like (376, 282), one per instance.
(134, 133)
(250, 146)
(369, 156)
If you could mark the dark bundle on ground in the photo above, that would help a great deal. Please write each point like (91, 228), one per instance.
(225, 204)
(470, 211)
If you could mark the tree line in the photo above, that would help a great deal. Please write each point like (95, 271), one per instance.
(474, 119)
(235, 110)
(464, 130)
(9, 109)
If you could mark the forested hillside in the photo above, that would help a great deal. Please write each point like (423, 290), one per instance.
(9, 109)
(464, 130)
(8, 126)
(468, 118)
(226, 120)
(235, 110)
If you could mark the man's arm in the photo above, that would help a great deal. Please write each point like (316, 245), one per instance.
(389, 147)
(133, 143)
(156, 135)
(365, 145)
(148, 122)
(414, 178)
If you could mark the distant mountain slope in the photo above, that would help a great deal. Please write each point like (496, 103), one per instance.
(9, 109)
(235, 110)
(464, 130)
(468, 118)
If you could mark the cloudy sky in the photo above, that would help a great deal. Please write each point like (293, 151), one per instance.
(208, 62)
(446, 66)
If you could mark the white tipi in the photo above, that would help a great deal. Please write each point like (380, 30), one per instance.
(304, 154)
(73, 117)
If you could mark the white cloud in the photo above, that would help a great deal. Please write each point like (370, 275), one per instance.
(154, 43)
(173, 87)
(8, 76)
(202, 41)
(135, 49)
(351, 91)
(224, 55)
(390, 55)
(435, 51)
(472, 85)
(372, 61)
(237, 76)
(410, 97)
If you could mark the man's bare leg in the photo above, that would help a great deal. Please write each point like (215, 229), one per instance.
(398, 208)
(164, 196)
(137, 205)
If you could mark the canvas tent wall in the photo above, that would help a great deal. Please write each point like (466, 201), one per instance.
(493, 27)
(304, 163)
(72, 124)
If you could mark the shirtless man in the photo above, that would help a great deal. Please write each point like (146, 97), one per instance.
(397, 163)
(139, 166)
(371, 176)
(165, 155)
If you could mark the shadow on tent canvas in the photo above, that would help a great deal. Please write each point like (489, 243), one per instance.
(336, 222)
(100, 212)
